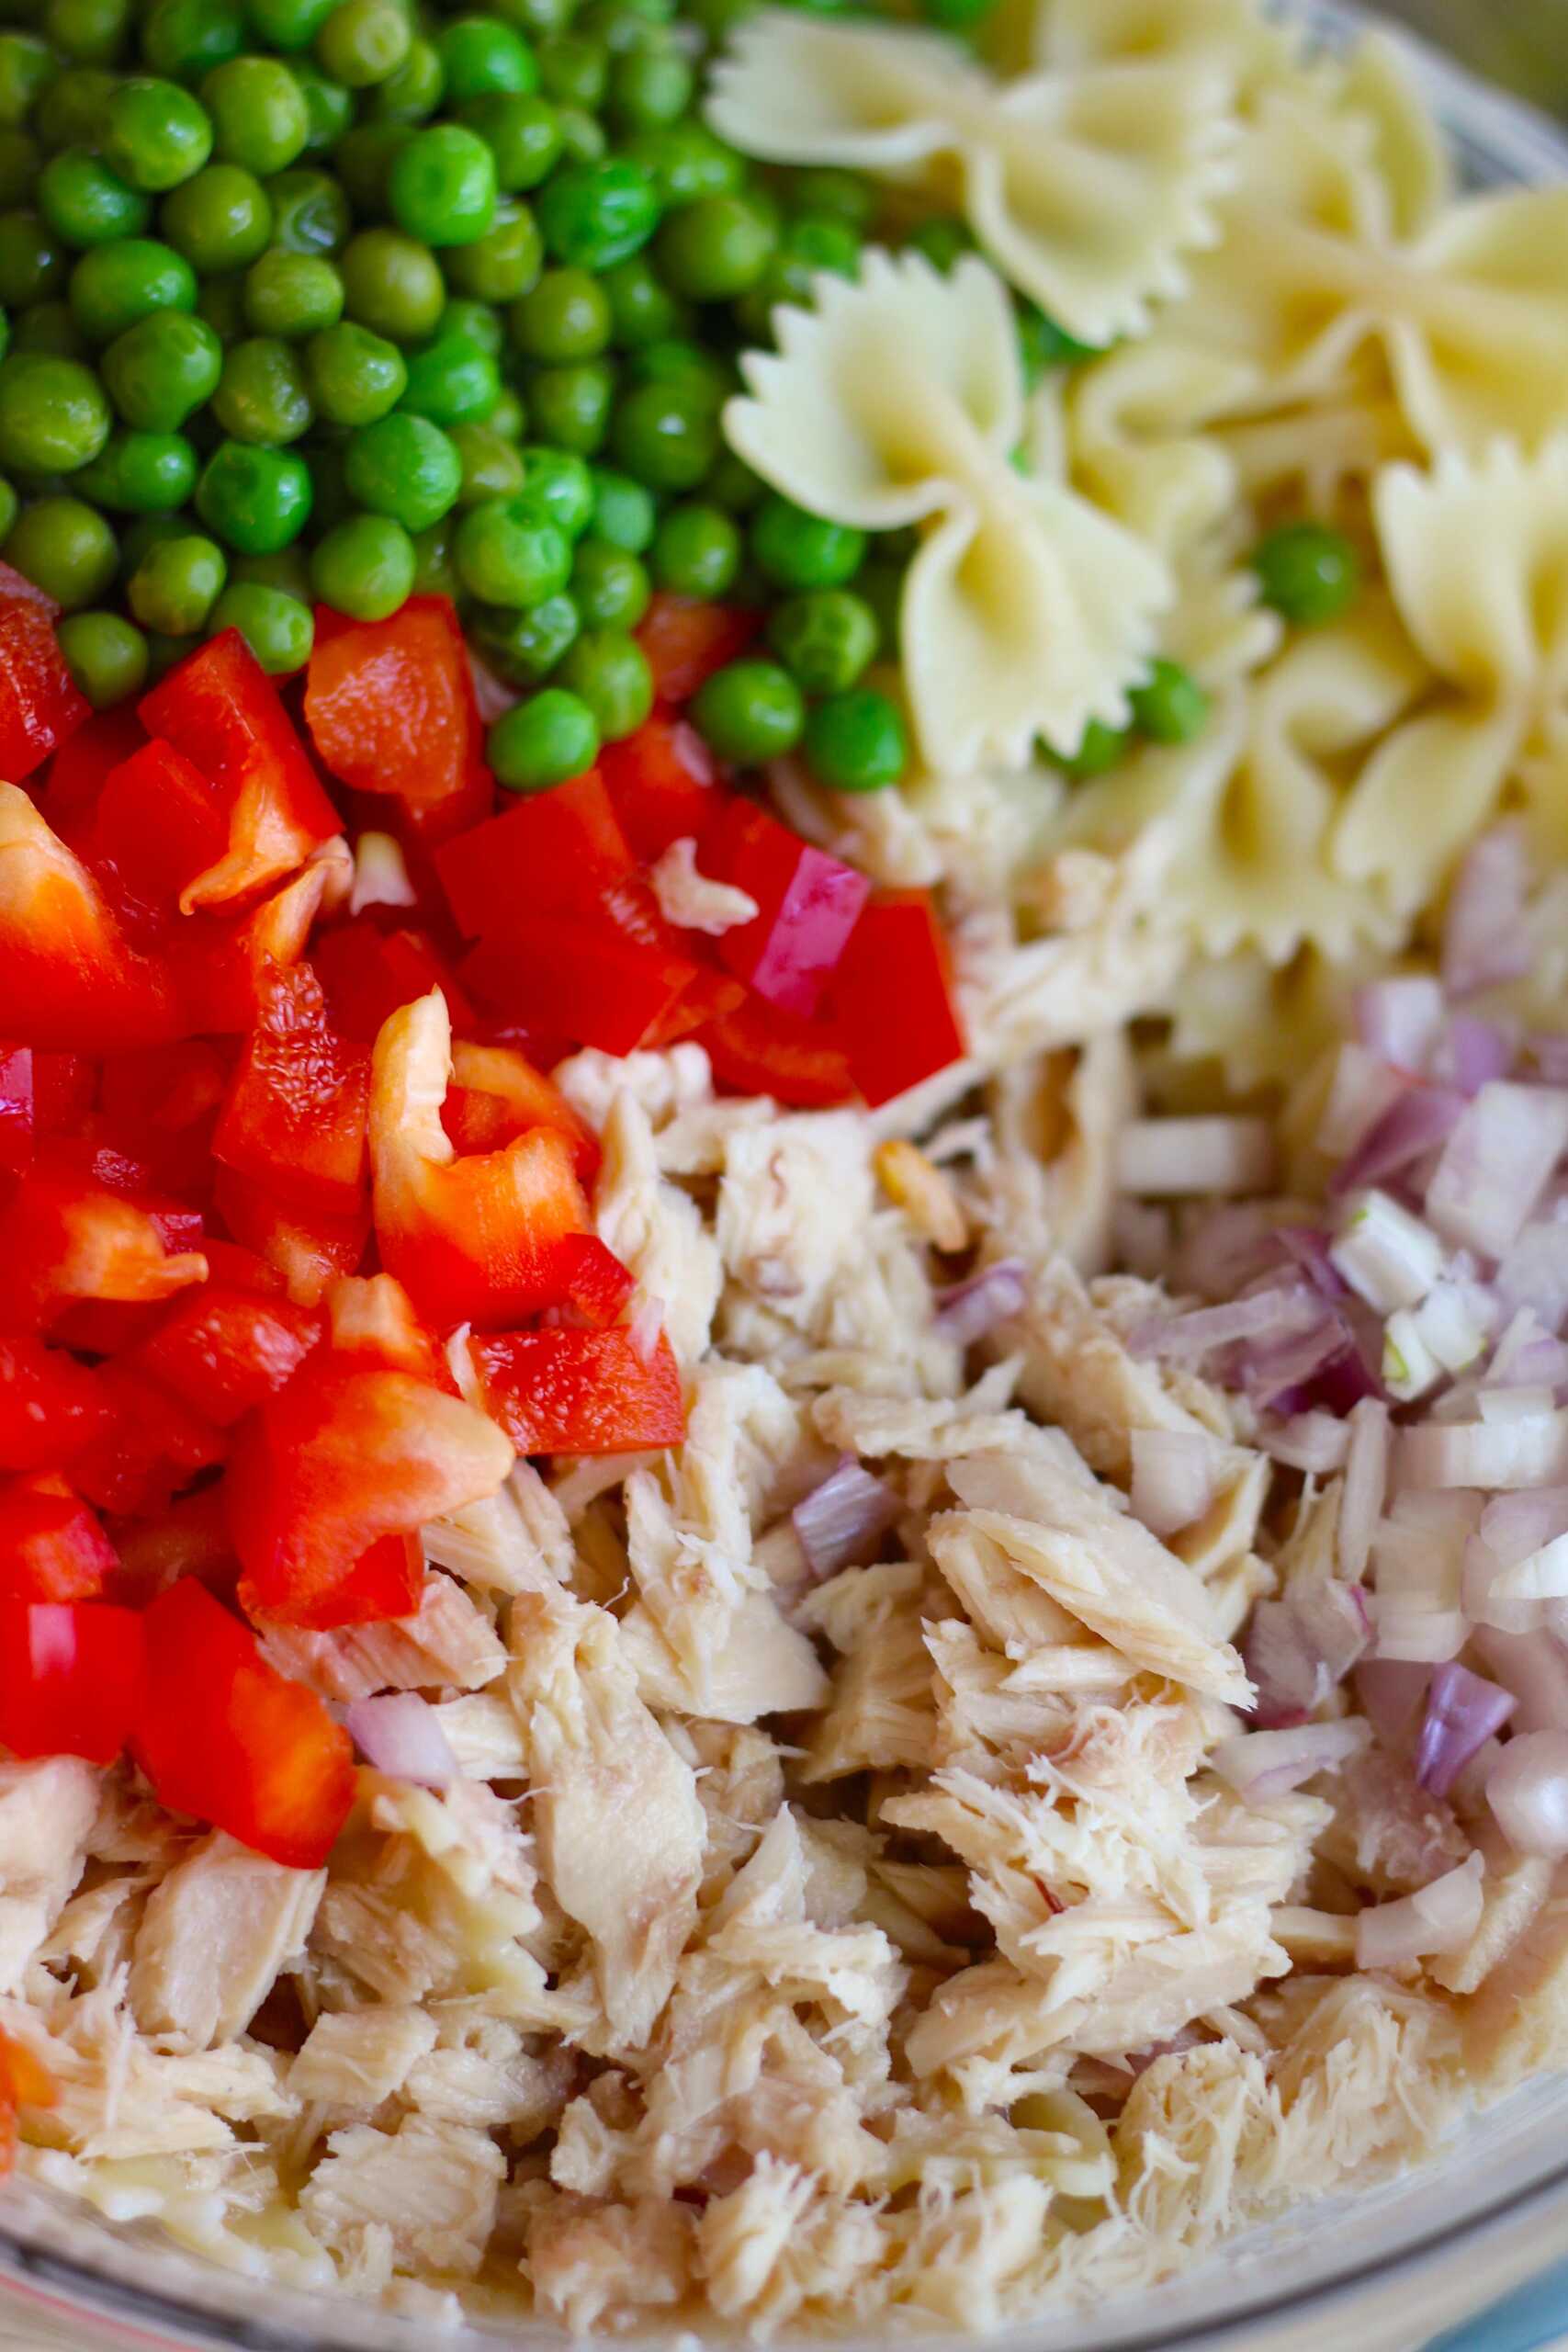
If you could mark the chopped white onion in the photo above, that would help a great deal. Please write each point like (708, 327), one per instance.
(401, 1734)
(1527, 1791)
(1262, 1765)
(1400, 1019)
(1366, 1484)
(1453, 1324)
(1315, 1443)
(1441, 1918)
(840, 1522)
(1539, 1576)
(1485, 938)
(1388, 1257)
(1168, 1158)
(1513, 1404)
(1497, 1164)
(970, 1309)
(1173, 1477)
(1488, 1455)
(1534, 1272)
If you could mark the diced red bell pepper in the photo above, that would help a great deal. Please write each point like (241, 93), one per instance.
(385, 1583)
(163, 1090)
(64, 1089)
(52, 1546)
(157, 824)
(580, 1392)
(188, 1538)
(664, 784)
(219, 708)
(50, 1406)
(224, 1737)
(220, 963)
(41, 703)
(572, 975)
(150, 1451)
(497, 1095)
(553, 852)
(295, 1116)
(372, 1318)
(78, 771)
(756, 1049)
(893, 998)
(596, 1288)
(16, 1113)
(62, 1239)
(390, 708)
(72, 1677)
(69, 977)
(807, 905)
(708, 995)
(369, 973)
(346, 1454)
(686, 641)
(222, 1351)
(25, 2081)
(307, 1247)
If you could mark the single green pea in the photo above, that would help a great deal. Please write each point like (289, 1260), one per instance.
(363, 41)
(825, 639)
(508, 553)
(92, 32)
(1170, 706)
(22, 160)
(508, 417)
(259, 116)
(288, 25)
(650, 88)
(623, 511)
(479, 323)
(364, 567)
(363, 160)
(492, 466)
(329, 107)
(142, 473)
(27, 68)
(392, 285)
(433, 570)
(219, 219)
(105, 654)
(53, 416)
(257, 500)
(292, 295)
(543, 742)
(222, 303)
(686, 162)
(797, 551)
(677, 360)
(558, 485)
(1308, 573)
(574, 71)
(571, 406)
(730, 483)
(522, 133)
(565, 317)
(582, 136)
(591, 215)
(176, 584)
(183, 38)
(261, 394)
(523, 648)
(826, 191)
(441, 185)
(749, 712)
(66, 548)
(642, 308)
(822, 243)
(84, 203)
(33, 262)
(354, 377)
(413, 93)
(696, 551)
(115, 286)
(405, 466)
(502, 265)
(451, 381)
(624, 25)
(1101, 748)
(162, 369)
(48, 326)
(665, 435)
(609, 587)
(856, 741)
(71, 111)
(309, 214)
(484, 57)
(155, 135)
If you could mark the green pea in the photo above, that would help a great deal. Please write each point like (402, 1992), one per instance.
(405, 466)
(558, 485)
(1170, 706)
(71, 111)
(288, 24)
(824, 243)
(749, 712)
(32, 261)
(571, 406)
(432, 571)
(696, 551)
(856, 741)
(1100, 749)
(452, 382)
(565, 317)
(730, 483)
(508, 553)
(413, 93)
(642, 310)
(502, 265)
(257, 501)
(442, 185)
(392, 285)
(146, 532)
(183, 38)
(825, 639)
(176, 584)
(582, 136)
(479, 323)
(142, 473)
(27, 68)
(623, 511)
(354, 377)
(53, 416)
(158, 371)
(51, 327)
(508, 417)
(22, 160)
(363, 160)
(686, 162)
(363, 41)
(291, 295)
(482, 57)
(91, 31)
(309, 214)
(609, 587)
(259, 116)
(492, 466)
(798, 550)
(523, 648)
(679, 361)
(364, 567)
(538, 19)
(841, 196)
(524, 136)
(665, 435)
(1309, 573)
(329, 107)
(278, 628)
(262, 395)
(591, 215)
(67, 547)
(649, 88)
(543, 742)
(155, 135)
(114, 286)
(574, 71)
(84, 204)
(106, 656)
(219, 219)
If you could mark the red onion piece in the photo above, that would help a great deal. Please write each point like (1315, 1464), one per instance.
(1534, 1273)
(1390, 1691)
(1463, 1711)
(1422, 1118)
(1485, 1454)
(1484, 938)
(1437, 1918)
(1275, 1313)
(970, 1309)
(1299, 1649)
(1173, 1477)
(1366, 1484)
(1497, 1164)
(1315, 1443)
(1227, 1249)
(401, 1734)
(1527, 1791)
(840, 1522)
(1174, 1157)
(1550, 1054)
(1400, 1019)
(790, 952)
(1472, 1052)
(1261, 1765)
(1534, 1667)
(493, 697)
(1363, 1087)
(1309, 1246)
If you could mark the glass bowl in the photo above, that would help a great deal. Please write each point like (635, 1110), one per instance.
(1408, 2264)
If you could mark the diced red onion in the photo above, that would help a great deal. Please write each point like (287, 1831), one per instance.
(1363, 1086)
(1309, 1246)
(1487, 1454)
(1486, 940)
(1550, 1054)
(1526, 1353)
(1315, 1443)
(1392, 1691)
(1366, 1484)
(1534, 1667)
(1281, 1313)
(1400, 1019)
(1527, 1791)
(1463, 1711)
(970, 1309)
(1279, 1366)
(401, 1734)
(840, 1522)
(1534, 1272)
(1262, 1765)
(1497, 1164)
(1299, 1649)
(1441, 1918)
(1227, 1250)
(1472, 1052)
(1170, 1158)
(1388, 1257)
(1142, 1237)
(1334, 1619)
(494, 698)
(1422, 1118)
(1173, 1477)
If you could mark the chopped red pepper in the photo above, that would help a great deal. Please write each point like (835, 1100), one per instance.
(473, 1240)
(373, 1317)
(595, 1285)
(70, 1677)
(686, 641)
(758, 1050)
(62, 1239)
(553, 852)
(77, 770)
(893, 997)
(580, 1392)
(157, 824)
(16, 1111)
(50, 1406)
(390, 708)
(223, 1350)
(369, 973)
(497, 1095)
(223, 1736)
(807, 905)
(25, 2081)
(64, 1086)
(295, 1117)
(68, 976)
(309, 1248)
(220, 963)
(385, 1583)
(40, 702)
(52, 1546)
(664, 784)
(219, 708)
(152, 1449)
(188, 1538)
(581, 978)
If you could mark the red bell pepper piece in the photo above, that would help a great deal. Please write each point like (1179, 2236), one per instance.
(807, 905)
(68, 975)
(571, 976)
(64, 1087)
(472, 1241)
(161, 1091)
(223, 1350)
(373, 1319)
(152, 1448)
(220, 963)
(580, 1392)
(295, 1116)
(391, 708)
(385, 1583)
(78, 771)
(307, 1247)
(50, 1406)
(553, 852)
(40, 702)
(25, 2081)
(757, 1050)
(188, 1538)
(596, 1288)
(497, 1095)
(72, 1677)
(224, 1737)
(893, 997)
(708, 995)
(369, 973)
(157, 824)
(686, 641)
(664, 784)
(219, 708)
(16, 1111)
(52, 1546)
(62, 1239)
(346, 1454)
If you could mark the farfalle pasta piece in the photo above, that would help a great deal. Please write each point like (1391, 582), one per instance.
(1088, 188)
(898, 400)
